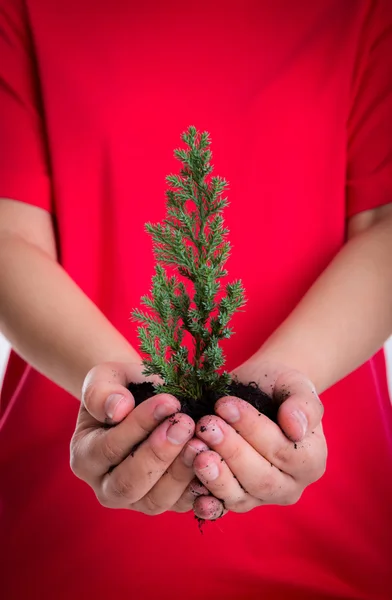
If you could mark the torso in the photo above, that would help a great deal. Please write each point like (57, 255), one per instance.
(120, 82)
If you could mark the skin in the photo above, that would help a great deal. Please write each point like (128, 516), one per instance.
(263, 463)
(40, 313)
(271, 464)
(151, 478)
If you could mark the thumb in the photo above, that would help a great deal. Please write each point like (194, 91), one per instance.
(105, 396)
(301, 410)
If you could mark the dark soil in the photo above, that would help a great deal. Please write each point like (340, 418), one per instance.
(251, 393)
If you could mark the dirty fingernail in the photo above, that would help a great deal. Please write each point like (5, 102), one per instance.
(210, 473)
(301, 420)
(190, 454)
(162, 411)
(114, 403)
(198, 489)
(178, 433)
(212, 434)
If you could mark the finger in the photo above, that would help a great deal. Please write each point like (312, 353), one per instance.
(301, 410)
(172, 485)
(252, 470)
(265, 436)
(95, 451)
(214, 473)
(105, 395)
(193, 491)
(135, 476)
(191, 450)
(304, 460)
(259, 431)
(209, 508)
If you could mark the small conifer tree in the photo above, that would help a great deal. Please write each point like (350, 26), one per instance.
(192, 243)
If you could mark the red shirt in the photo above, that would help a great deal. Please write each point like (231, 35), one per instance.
(297, 97)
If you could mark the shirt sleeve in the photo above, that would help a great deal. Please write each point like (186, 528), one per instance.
(24, 172)
(369, 151)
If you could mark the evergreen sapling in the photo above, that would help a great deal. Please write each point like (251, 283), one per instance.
(187, 300)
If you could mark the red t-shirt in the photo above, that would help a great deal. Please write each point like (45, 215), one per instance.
(297, 97)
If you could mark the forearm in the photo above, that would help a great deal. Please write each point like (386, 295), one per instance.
(345, 317)
(49, 321)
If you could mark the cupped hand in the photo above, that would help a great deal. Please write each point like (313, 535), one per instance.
(254, 461)
(136, 458)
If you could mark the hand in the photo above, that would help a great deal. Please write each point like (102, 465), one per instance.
(140, 460)
(253, 461)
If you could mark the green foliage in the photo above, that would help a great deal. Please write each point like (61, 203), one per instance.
(191, 240)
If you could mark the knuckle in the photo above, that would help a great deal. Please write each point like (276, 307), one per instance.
(316, 465)
(233, 454)
(111, 452)
(123, 490)
(76, 459)
(290, 498)
(319, 471)
(104, 500)
(144, 428)
(281, 455)
(185, 503)
(75, 464)
(264, 488)
(177, 475)
(151, 506)
(160, 456)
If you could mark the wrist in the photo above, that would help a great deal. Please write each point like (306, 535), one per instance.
(276, 357)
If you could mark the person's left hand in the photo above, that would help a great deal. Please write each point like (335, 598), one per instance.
(254, 461)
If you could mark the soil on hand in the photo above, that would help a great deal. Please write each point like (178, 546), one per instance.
(250, 392)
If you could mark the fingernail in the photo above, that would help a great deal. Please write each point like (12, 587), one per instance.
(163, 410)
(178, 433)
(211, 472)
(190, 454)
(113, 403)
(229, 412)
(213, 434)
(301, 420)
(198, 489)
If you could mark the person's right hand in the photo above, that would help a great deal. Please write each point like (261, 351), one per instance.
(135, 458)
